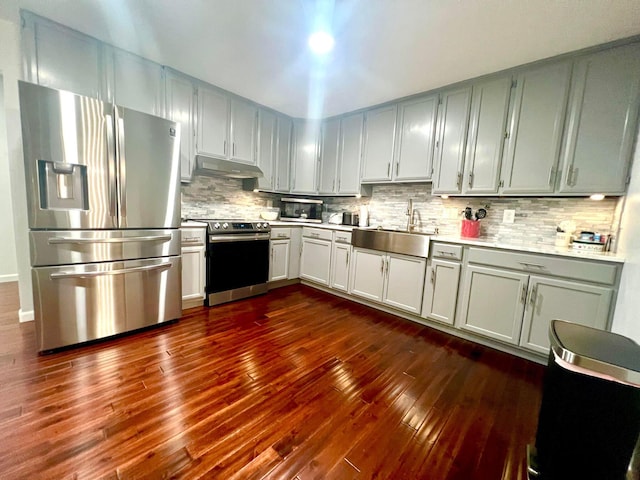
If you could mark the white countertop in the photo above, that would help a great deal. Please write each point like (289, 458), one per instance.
(532, 248)
(479, 242)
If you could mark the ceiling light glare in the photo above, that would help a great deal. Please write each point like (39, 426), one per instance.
(597, 196)
(321, 43)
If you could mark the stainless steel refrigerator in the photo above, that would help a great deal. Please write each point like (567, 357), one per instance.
(103, 198)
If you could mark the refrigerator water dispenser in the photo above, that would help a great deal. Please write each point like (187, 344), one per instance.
(63, 186)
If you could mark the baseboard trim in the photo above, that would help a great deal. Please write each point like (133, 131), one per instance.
(25, 316)
(12, 277)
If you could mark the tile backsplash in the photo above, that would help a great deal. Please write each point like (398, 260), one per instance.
(535, 221)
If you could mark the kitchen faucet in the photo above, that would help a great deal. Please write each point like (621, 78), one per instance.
(410, 214)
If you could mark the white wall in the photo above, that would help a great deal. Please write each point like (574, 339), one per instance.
(8, 262)
(626, 320)
(11, 71)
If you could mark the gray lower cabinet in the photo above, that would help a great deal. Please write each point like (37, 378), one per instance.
(441, 291)
(58, 57)
(279, 259)
(340, 256)
(315, 262)
(487, 124)
(530, 163)
(379, 141)
(550, 299)
(493, 302)
(451, 137)
(305, 157)
(601, 122)
(512, 297)
(181, 108)
(395, 280)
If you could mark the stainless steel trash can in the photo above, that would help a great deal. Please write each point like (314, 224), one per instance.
(589, 418)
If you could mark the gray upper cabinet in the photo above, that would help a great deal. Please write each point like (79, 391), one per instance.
(601, 122)
(58, 57)
(136, 83)
(181, 105)
(487, 124)
(416, 133)
(243, 131)
(283, 154)
(267, 142)
(379, 139)
(453, 120)
(350, 154)
(305, 156)
(535, 130)
(341, 152)
(213, 123)
(329, 153)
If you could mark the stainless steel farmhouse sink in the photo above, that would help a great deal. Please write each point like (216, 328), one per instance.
(394, 241)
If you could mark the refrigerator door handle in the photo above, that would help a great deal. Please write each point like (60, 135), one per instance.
(122, 169)
(146, 268)
(72, 240)
(111, 154)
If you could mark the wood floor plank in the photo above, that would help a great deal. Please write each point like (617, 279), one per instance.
(292, 384)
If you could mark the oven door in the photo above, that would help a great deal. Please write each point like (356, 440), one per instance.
(237, 267)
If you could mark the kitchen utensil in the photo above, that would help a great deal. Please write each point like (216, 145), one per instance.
(467, 213)
(481, 213)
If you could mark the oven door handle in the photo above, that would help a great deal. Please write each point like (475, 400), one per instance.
(238, 238)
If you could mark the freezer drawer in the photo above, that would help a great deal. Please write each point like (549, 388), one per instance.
(64, 247)
(78, 303)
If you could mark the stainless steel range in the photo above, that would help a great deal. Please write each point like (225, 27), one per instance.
(237, 259)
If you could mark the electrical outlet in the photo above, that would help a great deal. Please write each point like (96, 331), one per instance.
(508, 216)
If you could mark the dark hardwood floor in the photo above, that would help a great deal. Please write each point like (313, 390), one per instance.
(295, 384)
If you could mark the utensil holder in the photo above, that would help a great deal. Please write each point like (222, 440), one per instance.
(562, 239)
(470, 229)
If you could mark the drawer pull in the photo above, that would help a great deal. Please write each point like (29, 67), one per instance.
(533, 265)
(446, 254)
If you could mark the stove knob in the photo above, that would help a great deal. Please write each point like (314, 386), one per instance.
(216, 225)
(258, 225)
(225, 225)
(265, 225)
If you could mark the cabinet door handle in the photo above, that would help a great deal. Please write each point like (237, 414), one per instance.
(397, 168)
(433, 275)
(534, 294)
(381, 264)
(389, 169)
(347, 259)
(224, 147)
(459, 180)
(233, 149)
(470, 179)
(523, 294)
(574, 177)
(552, 174)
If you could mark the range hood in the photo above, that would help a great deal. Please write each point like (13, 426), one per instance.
(225, 168)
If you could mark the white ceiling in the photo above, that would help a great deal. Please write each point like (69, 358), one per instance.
(385, 49)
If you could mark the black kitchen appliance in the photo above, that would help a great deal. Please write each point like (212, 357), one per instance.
(301, 210)
(589, 419)
(237, 259)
